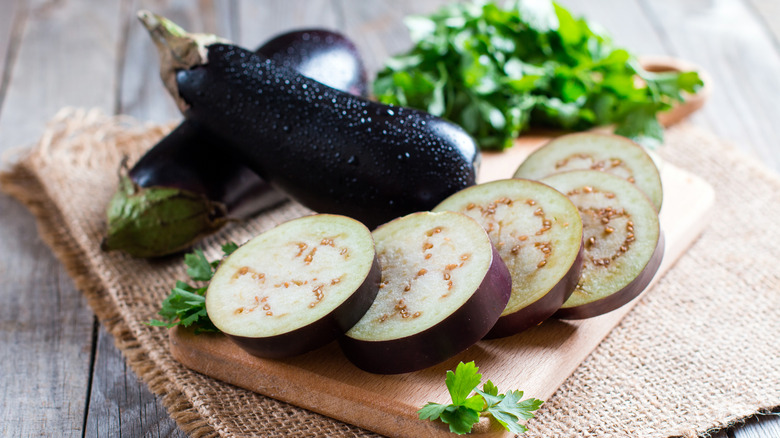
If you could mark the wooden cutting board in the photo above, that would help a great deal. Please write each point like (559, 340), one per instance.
(536, 361)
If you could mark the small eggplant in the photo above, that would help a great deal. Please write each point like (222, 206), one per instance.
(189, 184)
(331, 151)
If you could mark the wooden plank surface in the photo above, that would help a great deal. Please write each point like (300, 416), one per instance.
(728, 38)
(11, 24)
(61, 53)
(258, 22)
(46, 326)
(119, 403)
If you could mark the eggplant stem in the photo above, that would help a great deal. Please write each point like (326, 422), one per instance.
(177, 49)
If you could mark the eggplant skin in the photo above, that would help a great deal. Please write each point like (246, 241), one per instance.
(331, 151)
(322, 55)
(212, 181)
(192, 158)
(186, 159)
(457, 332)
(624, 295)
(546, 306)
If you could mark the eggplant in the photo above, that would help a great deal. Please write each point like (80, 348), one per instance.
(624, 245)
(329, 150)
(609, 153)
(538, 233)
(295, 287)
(443, 287)
(189, 184)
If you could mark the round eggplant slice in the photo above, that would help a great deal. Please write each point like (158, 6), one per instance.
(595, 151)
(623, 241)
(443, 287)
(295, 287)
(538, 233)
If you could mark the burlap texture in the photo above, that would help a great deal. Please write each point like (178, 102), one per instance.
(698, 352)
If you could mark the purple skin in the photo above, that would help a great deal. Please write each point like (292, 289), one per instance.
(216, 184)
(535, 313)
(331, 151)
(185, 159)
(321, 55)
(320, 332)
(457, 332)
(621, 297)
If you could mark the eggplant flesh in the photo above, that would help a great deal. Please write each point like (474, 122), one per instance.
(538, 233)
(295, 287)
(189, 185)
(623, 241)
(443, 287)
(331, 151)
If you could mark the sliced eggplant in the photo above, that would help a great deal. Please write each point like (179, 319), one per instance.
(329, 150)
(189, 185)
(443, 287)
(538, 233)
(295, 287)
(596, 151)
(624, 245)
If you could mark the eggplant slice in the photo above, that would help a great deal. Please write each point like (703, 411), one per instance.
(623, 241)
(608, 153)
(295, 287)
(443, 287)
(538, 233)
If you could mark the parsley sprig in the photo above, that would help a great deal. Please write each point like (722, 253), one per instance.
(496, 70)
(465, 410)
(186, 304)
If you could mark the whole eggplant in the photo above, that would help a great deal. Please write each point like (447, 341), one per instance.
(331, 151)
(190, 184)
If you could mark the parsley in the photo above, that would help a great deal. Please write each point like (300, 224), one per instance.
(186, 304)
(464, 411)
(498, 71)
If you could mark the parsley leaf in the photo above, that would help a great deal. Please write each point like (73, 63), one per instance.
(464, 411)
(228, 248)
(460, 418)
(199, 268)
(499, 71)
(462, 382)
(186, 304)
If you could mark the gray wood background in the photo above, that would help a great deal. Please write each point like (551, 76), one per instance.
(60, 374)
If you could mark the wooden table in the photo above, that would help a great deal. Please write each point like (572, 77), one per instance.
(60, 374)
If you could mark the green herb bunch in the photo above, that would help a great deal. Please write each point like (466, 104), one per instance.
(186, 304)
(496, 71)
(465, 410)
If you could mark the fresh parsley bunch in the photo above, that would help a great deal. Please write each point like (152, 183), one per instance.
(186, 304)
(465, 409)
(496, 71)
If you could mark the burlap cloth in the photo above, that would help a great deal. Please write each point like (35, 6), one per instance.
(700, 351)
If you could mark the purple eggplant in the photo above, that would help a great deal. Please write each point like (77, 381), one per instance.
(190, 184)
(329, 150)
